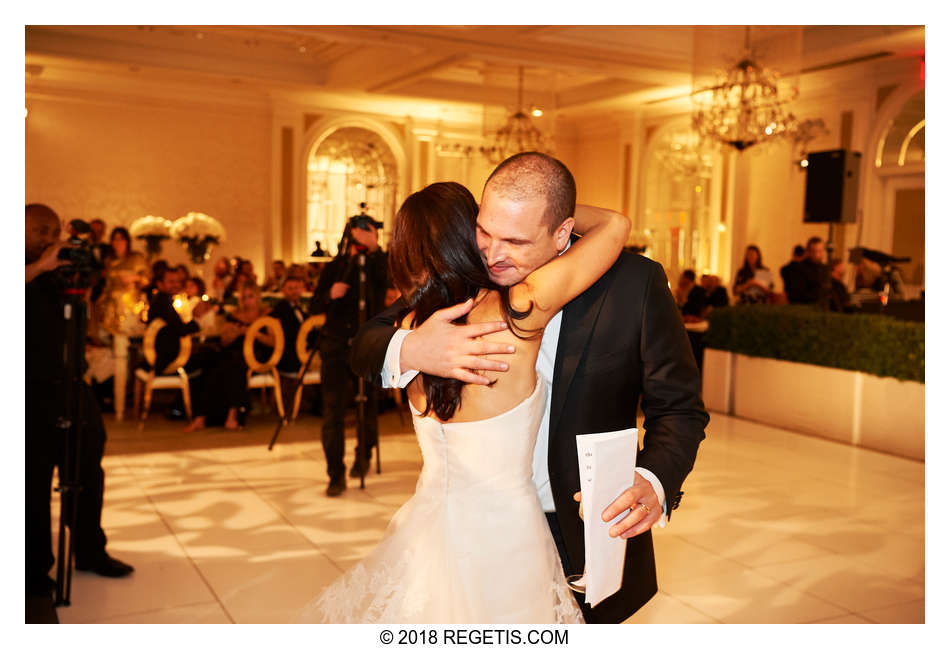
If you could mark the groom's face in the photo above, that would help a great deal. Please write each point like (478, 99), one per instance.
(514, 237)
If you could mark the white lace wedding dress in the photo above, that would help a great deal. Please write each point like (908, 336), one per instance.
(472, 545)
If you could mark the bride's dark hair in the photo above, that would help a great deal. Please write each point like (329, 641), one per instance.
(435, 263)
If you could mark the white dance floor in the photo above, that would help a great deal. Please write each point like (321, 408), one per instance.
(775, 527)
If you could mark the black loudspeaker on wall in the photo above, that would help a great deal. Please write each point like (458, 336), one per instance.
(831, 191)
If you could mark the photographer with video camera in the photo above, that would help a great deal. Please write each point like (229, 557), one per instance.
(64, 426)
(338, 295)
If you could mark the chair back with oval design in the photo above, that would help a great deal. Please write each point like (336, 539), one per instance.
(272, 325)
(264, 375)
(308, 325)
(173, 376)
(148, 348)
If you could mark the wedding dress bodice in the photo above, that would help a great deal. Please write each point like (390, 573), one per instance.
(490, 455)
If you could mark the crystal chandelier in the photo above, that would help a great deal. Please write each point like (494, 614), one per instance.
(745, 106)
(518, 134)
(683, 155)
(802, 134)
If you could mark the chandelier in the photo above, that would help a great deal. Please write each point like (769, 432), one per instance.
(683, 155)
(802, 134)
(518, 134)
(745, 106)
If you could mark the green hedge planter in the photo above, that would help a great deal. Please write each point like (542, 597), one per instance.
(873, 344)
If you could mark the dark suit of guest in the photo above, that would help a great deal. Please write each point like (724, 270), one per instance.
(717, 298)
(815, 283)
(695, 302)
(622, 343)
(291, 316)
(168, 339)
(793, 280)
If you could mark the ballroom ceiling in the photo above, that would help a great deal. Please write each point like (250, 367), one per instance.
(571, 69)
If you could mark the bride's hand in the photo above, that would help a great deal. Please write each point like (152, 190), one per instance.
(580, 508)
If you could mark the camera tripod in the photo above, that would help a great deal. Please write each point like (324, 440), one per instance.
(361, 397)
(70, 426)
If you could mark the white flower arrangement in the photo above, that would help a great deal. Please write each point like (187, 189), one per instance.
(153, 230)
(197, 226)
(150, 226)
(199, 233)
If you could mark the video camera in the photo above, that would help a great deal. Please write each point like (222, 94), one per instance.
(82, 256)
(881, 258)
(364, 221)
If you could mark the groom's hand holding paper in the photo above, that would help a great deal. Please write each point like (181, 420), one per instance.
(605, 461)
(643, 505)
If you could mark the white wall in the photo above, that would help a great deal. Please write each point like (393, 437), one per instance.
(119, 161)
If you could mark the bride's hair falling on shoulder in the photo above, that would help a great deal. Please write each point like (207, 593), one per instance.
(435, 263)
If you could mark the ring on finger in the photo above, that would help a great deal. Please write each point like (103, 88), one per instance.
(645, 507)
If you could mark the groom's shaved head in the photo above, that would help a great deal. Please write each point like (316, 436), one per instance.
(532, 175)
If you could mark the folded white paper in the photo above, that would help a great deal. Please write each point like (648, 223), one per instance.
(606, 462)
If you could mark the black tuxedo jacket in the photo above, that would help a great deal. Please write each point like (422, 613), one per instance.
(622, 342)
(168, 339)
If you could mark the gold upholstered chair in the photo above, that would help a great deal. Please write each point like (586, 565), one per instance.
(172, 377)
(264, 374)
(307, 375)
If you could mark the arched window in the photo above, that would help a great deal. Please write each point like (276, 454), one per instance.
(677, 224)
(351, 165)
(903, 142)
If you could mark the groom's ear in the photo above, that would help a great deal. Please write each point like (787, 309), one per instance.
(562, 235)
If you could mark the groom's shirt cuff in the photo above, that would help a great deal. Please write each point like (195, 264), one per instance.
(657, 487)
(390, 375)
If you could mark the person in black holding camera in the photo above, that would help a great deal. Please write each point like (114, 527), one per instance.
(46, 383)
(337, 295)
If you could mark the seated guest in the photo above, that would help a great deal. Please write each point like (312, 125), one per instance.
(168, 284)
(839, 299)
(694, 305)
(225, 398)
(685, 284)
(276, 279)
(194, 287)
(753, 283)
(194, 295)
(291, 312)
(716, 295)
(243, 274)
(158, 268)
(792, 274)
(815, 285)
(222, 278)
(185, 273)
(101, 251)
(304, 273)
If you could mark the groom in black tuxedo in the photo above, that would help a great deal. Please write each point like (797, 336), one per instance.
(621, 340)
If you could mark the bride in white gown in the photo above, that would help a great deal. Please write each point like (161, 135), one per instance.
(472, 545)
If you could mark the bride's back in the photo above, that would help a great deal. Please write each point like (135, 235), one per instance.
(509, 388)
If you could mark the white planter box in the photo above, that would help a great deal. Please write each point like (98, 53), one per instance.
(892, 416)
(851, 407)
(717, 380)
(797, 396)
